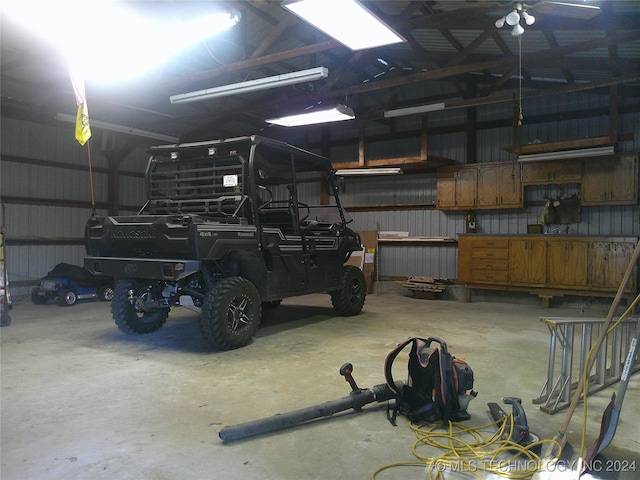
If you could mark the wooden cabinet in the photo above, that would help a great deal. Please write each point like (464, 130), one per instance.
(478, 186)
(456, 188)
(609, 262)
(567, 263)
(552, 171)
(499, 185)
(610, 181)
(490, 261)
(527, 261)
(547, 264)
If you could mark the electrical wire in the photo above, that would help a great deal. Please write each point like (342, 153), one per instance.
(472, 450)
(477, 450)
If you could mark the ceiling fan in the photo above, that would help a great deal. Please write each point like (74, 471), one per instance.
(579, 9)
(517, 13)
(521, 11)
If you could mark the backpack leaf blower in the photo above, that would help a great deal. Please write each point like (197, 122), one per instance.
(357, 399)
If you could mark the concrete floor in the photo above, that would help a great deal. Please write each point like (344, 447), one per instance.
(81, 400)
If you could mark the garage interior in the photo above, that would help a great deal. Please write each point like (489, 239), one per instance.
(491, 168)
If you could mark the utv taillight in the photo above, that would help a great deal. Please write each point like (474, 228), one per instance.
(167, 270)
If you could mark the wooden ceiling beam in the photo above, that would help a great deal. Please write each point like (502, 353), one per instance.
(542, 57)
(553, 43)
(469, 49)
(260, 61)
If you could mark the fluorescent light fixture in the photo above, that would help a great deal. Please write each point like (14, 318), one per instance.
(336, 114)
(413, 110)
(347, 21)
(112, 127)
(578, 153)
(103, 53)
(252, 85)
(347, 172)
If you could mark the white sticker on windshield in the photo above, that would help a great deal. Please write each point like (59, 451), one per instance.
(230, 180)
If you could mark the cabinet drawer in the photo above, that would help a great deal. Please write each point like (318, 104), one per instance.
(497, 253)
(489, 276)
(491, 264)
(490, 243)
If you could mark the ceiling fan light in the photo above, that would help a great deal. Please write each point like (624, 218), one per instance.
(500, 22)
(529, 19)
(517, 30)
(513, 18)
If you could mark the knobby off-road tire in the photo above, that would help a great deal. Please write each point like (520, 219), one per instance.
(349, 299)
(231, 313)
(128, 318)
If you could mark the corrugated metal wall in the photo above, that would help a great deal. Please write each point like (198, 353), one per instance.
(44, 183)
(60, 197)
(441, 261)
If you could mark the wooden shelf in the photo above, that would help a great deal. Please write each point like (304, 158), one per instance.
(570, 144)
(418, 240)
(390, 207)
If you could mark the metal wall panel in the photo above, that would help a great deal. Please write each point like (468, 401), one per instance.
(57, 144)
(30, 263)
(41, 222)
(442, 261)
(490, 145)
(51, 143)
(45, 233)
(389, 190)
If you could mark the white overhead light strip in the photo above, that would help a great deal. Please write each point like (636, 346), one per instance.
(112, 127)
(335, 114)
(347, 172)
(347, 21)
(578, 153)
(252, 85)
(413, 110)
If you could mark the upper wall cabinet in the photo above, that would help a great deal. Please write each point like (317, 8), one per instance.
(499, 185)
(544, 173)
(456, 188)
(610, 181)
(479, 186)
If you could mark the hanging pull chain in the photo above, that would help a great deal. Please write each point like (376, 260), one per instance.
(520, 116)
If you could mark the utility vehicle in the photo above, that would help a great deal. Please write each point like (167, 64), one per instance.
(230, 226)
